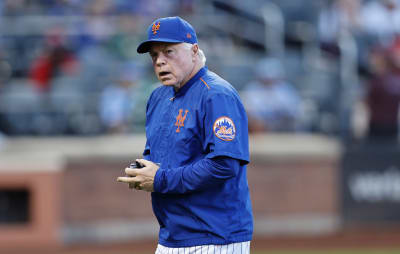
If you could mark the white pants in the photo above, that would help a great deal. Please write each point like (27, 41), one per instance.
(233, 248)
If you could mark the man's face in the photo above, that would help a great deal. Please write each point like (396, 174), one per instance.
(172, 63)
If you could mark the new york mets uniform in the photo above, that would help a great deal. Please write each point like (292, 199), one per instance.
(199, 137)
(233, 248)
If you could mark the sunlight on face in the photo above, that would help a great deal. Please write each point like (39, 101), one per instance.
(172, 63)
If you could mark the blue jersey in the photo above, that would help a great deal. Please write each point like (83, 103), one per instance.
(195, 201)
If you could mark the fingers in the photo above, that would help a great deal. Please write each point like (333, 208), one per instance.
(133, 182)
(136, 171)
(131, 171)
(144, 162)
(148, 168)
(127, 179)
(140, 178)
(136, 186)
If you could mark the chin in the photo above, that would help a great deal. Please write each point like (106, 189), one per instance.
(168, 83)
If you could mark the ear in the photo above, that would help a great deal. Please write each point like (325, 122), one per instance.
(195, 49)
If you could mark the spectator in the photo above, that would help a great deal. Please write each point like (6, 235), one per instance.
(118, 101)
(337, 16)
(5, 74)
(56, 59)
(272, 104)
(64, 7)
(381, 18)
(13, 8)
(383, 95)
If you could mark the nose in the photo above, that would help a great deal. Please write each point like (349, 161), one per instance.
(161, 60)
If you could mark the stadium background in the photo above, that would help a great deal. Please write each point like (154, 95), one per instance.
(323, 184)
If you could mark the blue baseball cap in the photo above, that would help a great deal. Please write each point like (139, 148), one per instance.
(170, 29)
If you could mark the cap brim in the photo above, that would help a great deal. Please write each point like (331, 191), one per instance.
(144, 47)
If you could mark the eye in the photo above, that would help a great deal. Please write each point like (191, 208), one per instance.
(169, 51)
(153, 56)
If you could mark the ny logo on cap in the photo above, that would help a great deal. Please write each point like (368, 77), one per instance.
(155, 27)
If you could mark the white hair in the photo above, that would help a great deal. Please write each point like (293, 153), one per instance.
(202, 56)
(201, 52)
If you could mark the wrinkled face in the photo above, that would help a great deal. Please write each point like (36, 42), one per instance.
(173, 63)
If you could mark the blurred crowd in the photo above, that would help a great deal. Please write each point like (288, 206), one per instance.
(374, 27)
(70, 66)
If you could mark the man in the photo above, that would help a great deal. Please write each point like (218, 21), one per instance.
(196, 151)
(281, 112)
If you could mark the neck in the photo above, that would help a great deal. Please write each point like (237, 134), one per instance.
(195, 69)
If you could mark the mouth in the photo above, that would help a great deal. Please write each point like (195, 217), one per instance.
(163, 74)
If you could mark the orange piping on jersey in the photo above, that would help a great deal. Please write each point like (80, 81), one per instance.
(205, 83)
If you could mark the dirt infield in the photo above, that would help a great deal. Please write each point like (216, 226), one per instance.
(354, 239)
(362, 239)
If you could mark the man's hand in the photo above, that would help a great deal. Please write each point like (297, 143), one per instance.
(141, 178)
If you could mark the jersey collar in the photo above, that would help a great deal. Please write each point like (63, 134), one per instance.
(191, 81)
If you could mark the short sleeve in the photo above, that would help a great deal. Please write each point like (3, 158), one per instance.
(226, 127)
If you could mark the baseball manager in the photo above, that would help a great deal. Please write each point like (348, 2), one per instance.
(196, 150)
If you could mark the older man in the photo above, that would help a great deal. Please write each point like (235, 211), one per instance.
(196, 151)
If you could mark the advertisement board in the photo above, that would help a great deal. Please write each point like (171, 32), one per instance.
(370, 183)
